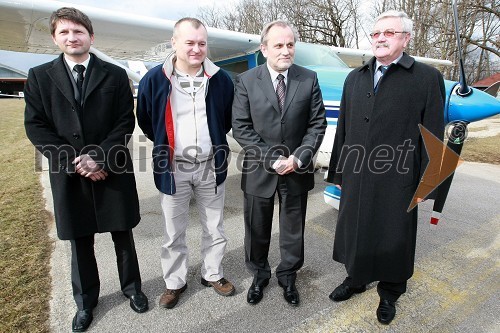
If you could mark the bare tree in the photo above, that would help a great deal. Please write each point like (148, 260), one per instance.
(434, 35)
(341, 23)
(246, 16)
(330, 22)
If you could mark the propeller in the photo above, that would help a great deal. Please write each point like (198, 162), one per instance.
(457, 132)
(456, 136)
(493, 89)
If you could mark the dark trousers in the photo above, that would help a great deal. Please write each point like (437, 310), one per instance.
(258, 225)
(85, 275)
(386, 290)
(390, 290)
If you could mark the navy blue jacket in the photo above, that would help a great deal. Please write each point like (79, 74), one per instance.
(153, 107)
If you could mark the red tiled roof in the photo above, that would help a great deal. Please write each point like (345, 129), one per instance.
(486, 82)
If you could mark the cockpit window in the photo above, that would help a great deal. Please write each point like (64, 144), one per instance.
(312, 55)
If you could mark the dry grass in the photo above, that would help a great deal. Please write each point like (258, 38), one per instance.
(477, 129)
(485, 150)
(24, 243)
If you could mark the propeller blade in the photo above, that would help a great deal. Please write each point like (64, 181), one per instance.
(493, 89)
(451, 158)
(464, 89)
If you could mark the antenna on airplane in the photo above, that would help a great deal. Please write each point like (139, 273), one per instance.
(464, 89)
(456, 133)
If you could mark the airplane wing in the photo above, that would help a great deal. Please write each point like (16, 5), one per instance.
(24, 27)
(357, 57)
(20, 95)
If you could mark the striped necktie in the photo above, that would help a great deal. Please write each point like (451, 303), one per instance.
(280, 91)
(79, 69)
(382, 70)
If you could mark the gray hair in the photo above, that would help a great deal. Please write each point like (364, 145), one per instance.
(405, 20)
(279, 23)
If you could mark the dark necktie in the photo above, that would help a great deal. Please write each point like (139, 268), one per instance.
(280, 91)
(79, 69)
(382, 70)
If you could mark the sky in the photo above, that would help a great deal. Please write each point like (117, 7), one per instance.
(170, 9)
(165, 9)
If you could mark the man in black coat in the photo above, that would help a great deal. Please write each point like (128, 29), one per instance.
(79, 114)
(279, 120)
(378, 160)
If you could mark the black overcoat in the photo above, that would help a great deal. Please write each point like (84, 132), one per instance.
(379, 158)
(62, 129)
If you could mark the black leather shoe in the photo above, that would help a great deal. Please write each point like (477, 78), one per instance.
(139, 302)
(290, 294)
(386, 311)
(82, 320)
(256, 292)
(343, 292)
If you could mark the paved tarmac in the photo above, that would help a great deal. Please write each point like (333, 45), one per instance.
(455, 288)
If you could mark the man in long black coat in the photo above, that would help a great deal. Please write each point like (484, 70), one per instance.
(378, 160)
(83, 129)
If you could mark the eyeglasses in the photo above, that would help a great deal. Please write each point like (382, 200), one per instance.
(389, 33)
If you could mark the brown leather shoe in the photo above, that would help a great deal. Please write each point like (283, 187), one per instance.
(222, 287)
(171, 296)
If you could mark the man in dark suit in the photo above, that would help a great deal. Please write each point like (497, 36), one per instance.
(383, 104)
(79, 114)
(279, 120)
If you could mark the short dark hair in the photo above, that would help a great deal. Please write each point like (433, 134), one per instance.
(70, 14)
(194, 22)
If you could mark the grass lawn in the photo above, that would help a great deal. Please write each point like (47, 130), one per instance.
(485, 150)
(24, 243)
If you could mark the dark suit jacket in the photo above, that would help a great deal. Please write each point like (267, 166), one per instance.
(265, 133)
(61, 129)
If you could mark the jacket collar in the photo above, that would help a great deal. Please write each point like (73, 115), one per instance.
(406, 62)
(60, 77)
(98, 72)
(210, 69)
(61, 80)
(267, 87)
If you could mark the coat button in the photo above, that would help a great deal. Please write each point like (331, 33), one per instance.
(76, 136)
(367, 119)
(282, 141)
(369, 94)
(282, 121)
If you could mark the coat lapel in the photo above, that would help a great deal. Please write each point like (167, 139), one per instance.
(266, 85)
(97, 73)
(292, 85)
(59, 76)
(406, 62)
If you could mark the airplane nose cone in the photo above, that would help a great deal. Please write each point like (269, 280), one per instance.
(476, 106)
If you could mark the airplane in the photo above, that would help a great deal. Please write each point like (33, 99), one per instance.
(19, 95)
(140, 69)
(24, 27)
